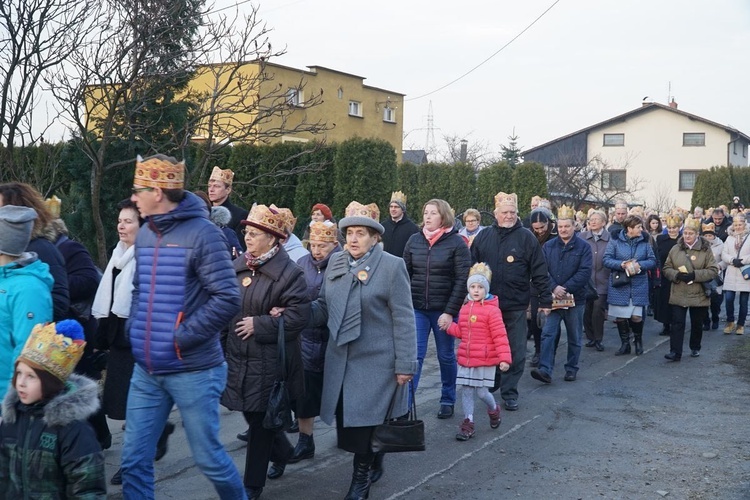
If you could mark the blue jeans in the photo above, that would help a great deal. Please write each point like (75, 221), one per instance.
(729, 298)
(150, 400)
(446, 353)
(573, 319)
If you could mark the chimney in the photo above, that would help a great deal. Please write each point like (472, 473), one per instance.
(673, 104)
(464, 148)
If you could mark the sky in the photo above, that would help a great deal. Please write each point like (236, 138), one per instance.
(583, 62)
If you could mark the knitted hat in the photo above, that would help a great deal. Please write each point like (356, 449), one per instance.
(267, 220)
(480, 273)
(16, 224)
(323, 231)
(324, 210)
(357, 214)
(226, 176)
(55, 348)
(399, 198)
(159, 171)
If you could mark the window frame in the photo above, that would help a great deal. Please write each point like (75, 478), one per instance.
(680, 186)
(604, 140)
(686, 134)
(294, 97)
(610, 186)
(389, 115)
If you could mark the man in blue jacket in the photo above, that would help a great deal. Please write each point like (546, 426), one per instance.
(569, 263)
(185, 291)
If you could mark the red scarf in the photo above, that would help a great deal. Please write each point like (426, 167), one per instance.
(433, 236)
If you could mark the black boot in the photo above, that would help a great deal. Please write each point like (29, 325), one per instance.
(305, 448)
(376, 471)
(624, 331)
(637, 336)
(360, 487)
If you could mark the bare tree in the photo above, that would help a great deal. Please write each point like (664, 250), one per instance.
(662, 200)
(478, 153)
(36, 37)
(108, 95)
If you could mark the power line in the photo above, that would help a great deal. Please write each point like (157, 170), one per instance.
(490, 57)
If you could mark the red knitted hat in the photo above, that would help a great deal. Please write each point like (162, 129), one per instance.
(324, 210)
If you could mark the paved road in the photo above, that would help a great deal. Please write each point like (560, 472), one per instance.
(629, 427)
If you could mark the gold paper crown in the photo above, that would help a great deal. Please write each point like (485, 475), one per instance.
(356, 209)
(289, 219)
(708, 228)
(637, 211)
(159, 172)
(399, 197)
(694, 224)
(266, 219)
(51, 351)
(323, 231)
(545, 203)
(536, 198)
(225, 176)
(580, 215)
(53, 205)
(621, 204)
(483, 269)
(566, 212)
(506, 199)
(674, 220)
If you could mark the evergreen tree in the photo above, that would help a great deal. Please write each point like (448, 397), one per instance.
(511, 153)
(529, 179)
(491, 180)
(712, 188)
(365, 171)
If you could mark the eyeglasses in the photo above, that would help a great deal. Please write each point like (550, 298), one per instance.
(253, 234)
(470, 221)
(140, 190)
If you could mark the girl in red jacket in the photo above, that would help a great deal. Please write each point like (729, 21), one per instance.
(484, 345)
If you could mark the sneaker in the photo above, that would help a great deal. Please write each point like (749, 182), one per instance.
(729, 329)
(494, 417)
(740, 330)
(466, 430)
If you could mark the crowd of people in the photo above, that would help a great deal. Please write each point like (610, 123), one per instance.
(204, 304)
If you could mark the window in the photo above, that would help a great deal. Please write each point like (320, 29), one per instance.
(340, 93)
(614, 139)
(355, 108)
(693, 139)
(744, 150)
(687, 179)
(613, 179)
(734, 147)
(294, 96)
(389, 115)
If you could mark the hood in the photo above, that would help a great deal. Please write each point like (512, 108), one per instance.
(78, 401)
(292, 243)
(28, 264)
(505, 230)
(221, 216)
(700, 244)
(190, 207)
(492, 301)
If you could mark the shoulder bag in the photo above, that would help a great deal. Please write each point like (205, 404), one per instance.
(397, 435)
(279, 410)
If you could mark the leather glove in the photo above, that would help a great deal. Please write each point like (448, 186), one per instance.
(737, 263)
(685, 277)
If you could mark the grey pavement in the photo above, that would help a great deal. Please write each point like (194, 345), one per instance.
(629, 427)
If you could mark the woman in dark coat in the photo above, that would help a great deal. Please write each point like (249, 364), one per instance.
(268, 279)
(664, 243)
(438, 260)
(543, 227)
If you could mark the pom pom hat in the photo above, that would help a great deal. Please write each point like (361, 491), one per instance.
(480, 273)
(55, 348)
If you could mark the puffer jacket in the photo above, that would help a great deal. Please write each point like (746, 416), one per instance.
(438, 273)
(699, 259)
(185, 291)
(253, 363)
(25, 300)
(49, 450)
(480, 327)
(313, 340)
(569, 266)
(621, 249)
(517, 263)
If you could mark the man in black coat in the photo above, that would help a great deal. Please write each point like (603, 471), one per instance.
(621, 211)
(517, 262)
(722, 223)
(219, 189)
(398, 227)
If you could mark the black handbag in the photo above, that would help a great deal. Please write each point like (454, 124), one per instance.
(279, 410)
(620, 278)
(398, 435)
(591, 293)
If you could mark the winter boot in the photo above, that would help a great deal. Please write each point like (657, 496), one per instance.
(624, 331)
(305, 448)
(360, 487)
(637, 336)
(376, 471)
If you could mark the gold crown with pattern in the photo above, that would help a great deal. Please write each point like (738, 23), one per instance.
(226, 176)
(159, 171)
(536, 199)
(398, 196)
(580, 215)
(566, 212)
(323, 231)
(637, 211)
(266, 219)
(674, 220)
(483, 269)
(289, 219)
(53, 205)
(708, 228)
(55, 348)
(505, 199)
(621, 204)
(356, 209)
(694, 224)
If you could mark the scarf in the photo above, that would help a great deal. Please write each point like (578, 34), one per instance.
(254, 263)
(433, 236)
(123, 258)
(739, 239)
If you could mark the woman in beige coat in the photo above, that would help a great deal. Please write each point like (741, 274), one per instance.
(689, 265)
(736, 254)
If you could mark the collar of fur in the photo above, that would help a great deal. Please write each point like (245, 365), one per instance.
(78, 401)
(50, 232)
